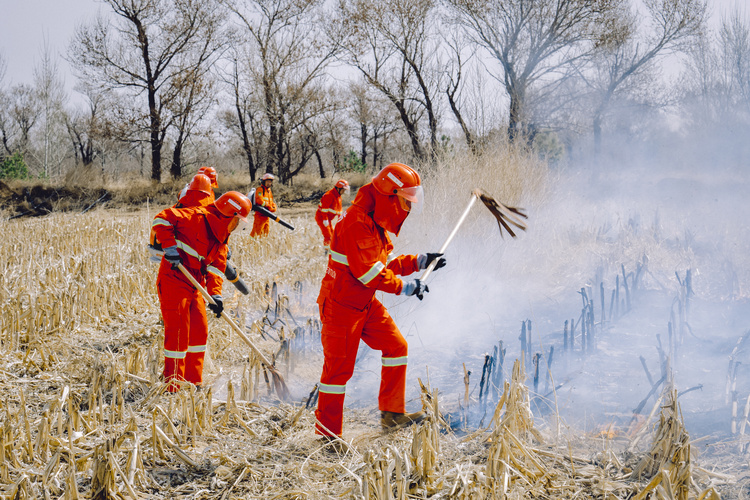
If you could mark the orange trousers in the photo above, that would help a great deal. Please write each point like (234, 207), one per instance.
(326, 230)
(261, 223)
(343, 327)
(185, 330)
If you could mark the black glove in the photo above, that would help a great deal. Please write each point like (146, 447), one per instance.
(218, 307)
(415, 287)
(173, 256)
(424, 261)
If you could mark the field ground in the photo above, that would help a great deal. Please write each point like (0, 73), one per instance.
(84, 415)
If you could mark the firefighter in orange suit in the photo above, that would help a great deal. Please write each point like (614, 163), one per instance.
(329, 210)
(360, 263)
(196, 237)
(264, 198)
(195, 185)
(197, 194)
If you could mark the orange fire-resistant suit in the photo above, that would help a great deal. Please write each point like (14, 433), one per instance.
(360, 264)
(329, 209)
(201, 234)
(195, 199)
(263, 197)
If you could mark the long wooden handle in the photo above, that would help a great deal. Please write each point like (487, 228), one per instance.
(432, 265)
(236, 328)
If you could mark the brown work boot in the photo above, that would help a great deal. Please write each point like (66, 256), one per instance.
(391, 421)
(334, 445)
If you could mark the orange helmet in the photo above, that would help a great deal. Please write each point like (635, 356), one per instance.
(210, 172)
(234, 204)
(342, 184)
(403, 181)
(200, 183)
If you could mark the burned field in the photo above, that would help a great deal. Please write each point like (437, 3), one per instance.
(628, 382)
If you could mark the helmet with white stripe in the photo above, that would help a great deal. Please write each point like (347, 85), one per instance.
(403, 181)
(234, 204)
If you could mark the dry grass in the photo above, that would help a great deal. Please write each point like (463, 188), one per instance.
(84, 413)
(85, 416)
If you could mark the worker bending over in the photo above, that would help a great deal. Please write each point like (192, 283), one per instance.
(197, 238)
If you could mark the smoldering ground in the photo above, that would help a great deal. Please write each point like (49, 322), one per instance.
(587, 230)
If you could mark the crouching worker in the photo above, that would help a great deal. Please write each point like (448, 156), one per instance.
(195, 237)
(359, 265)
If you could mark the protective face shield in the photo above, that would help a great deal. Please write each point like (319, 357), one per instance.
(236, 205)
(343, 186)
(412, 199)
(238, 224)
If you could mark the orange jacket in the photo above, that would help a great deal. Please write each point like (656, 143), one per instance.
(264, 197)
(360, 262)
(201, 235)
(329, 208)
(195, 199)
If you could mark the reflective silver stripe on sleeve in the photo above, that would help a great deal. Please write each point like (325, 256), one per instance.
(394, 361)
(161, 222)
(326, 223)
(196, 348)
(332, 389)
(390, 258)
(213, 270)
(188, 250)
(330, 211)
(374, 271)
(339, 257)
(174, 354)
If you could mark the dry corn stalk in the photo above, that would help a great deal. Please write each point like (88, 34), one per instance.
(668, 460)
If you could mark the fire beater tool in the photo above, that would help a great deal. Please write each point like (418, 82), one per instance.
(506, 216)
(278, 381)
(267, 213)
(230, 272)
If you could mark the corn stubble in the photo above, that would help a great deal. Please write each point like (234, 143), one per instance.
(85, 414)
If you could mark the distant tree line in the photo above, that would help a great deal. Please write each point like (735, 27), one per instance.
(290, 86)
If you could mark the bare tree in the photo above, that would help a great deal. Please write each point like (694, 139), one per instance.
(628, 46)
(373, 119)
(533, 42)
(455, 72)
(243, 121)
(144, 53)
(285, 59)
(394, 44)
(734, 39)
(24, 109)
(50, 88)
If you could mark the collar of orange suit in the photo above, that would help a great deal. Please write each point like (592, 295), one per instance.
(218, 223)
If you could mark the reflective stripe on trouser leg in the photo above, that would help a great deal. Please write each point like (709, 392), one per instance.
(175, 306)
(392, 383)
(198, 337)
(381, 333)
(340, 339)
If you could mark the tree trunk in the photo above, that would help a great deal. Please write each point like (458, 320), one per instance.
(411, 129)
(155, 128)
(176, 168)
(597, 135)
(320, 165)
(515, 120)
(363, 141)
(467, 133)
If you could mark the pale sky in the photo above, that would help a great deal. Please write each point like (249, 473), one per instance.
(24, 24)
